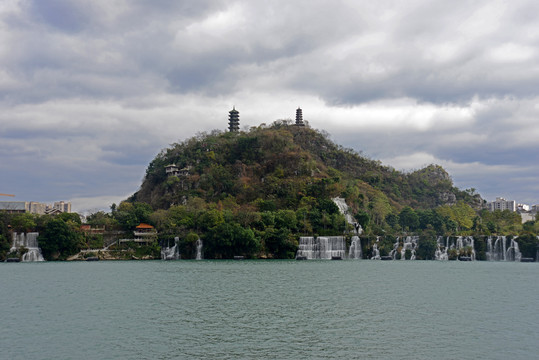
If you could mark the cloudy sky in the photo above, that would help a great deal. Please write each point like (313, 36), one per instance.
(91, 91)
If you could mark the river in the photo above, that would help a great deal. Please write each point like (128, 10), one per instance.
(269, 310)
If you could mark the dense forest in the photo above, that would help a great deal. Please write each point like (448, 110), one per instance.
(254, 193)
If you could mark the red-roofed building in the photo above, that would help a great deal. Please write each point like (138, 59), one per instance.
(145, 233)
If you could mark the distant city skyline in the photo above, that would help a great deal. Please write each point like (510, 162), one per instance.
(91, 92)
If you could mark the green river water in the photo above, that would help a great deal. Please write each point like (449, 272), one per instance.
(269, 310)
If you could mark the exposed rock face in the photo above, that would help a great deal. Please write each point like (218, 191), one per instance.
(447, 198)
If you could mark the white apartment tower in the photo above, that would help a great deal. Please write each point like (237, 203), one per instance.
(502, 204)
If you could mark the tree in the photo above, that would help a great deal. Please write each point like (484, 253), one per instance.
(427, 245)
(528, 245)
(130, 214)
(70, 217)
(392, 220)
(4, 247)
(362, 218)
(380, 208)
(210, 219)
(23, 222)
(408, 219)
(101, 218)
(58, 240)
(279, 242)
(229, 239)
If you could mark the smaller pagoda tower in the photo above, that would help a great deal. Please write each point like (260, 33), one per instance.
(234, 120)
(299, 117)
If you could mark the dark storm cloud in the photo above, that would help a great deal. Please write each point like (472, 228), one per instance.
(93, 90)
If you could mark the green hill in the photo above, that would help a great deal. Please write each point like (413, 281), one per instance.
(280, 165)
(254, 193)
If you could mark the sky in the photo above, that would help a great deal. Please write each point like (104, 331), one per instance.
(91, 91)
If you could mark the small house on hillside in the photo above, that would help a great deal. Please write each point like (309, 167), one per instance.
(174, 170)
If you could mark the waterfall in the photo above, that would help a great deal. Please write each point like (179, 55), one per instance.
(171, 253)
(441, 254)
(199, 249)
(489, 252)
(355, 248)
(307, 248)
(466, 242)
(513, 252)
(321, 247)
(410, 243)
(393, 253)
(498, 251)
(28, 241)
(375, 250)
(343, 209)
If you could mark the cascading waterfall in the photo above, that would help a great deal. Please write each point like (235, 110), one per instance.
(28, 241)
(375, 250)
(355, 248)
(463, 247)
(464, 243)
(439, 253)
(199, 249)
(513, 252)
(343, 209)
(393, 253)
(498, 250)
(410, 243)
(171, 253)
(321, 248)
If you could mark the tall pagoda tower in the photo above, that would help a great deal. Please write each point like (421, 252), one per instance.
(299, 117)
(234, 120)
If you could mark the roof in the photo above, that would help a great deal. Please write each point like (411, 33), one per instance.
(144, 226)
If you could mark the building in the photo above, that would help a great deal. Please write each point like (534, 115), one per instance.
(234, 120)
(502, 204)
(145, 233)
(15, 207)
(33, 207)
(37, 208)
(526, 216)
(299, 117)
(172, 170)
(62, 206)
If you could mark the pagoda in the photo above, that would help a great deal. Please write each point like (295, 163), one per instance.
(299, 117)
(234, 120)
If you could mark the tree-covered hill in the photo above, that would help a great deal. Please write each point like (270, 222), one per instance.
(254, 193)
(282, 165)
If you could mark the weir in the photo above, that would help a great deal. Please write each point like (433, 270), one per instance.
(497, 250)
(28, 241)
(322, 247)
(461, 248)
